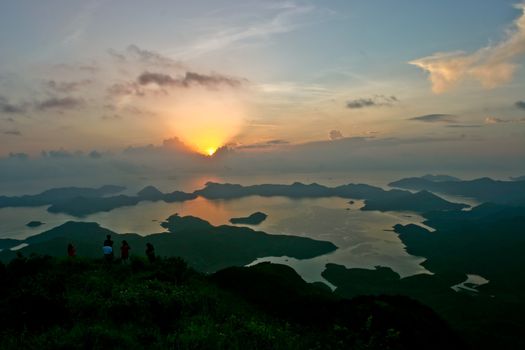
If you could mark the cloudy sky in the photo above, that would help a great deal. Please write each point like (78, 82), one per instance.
(262, 76)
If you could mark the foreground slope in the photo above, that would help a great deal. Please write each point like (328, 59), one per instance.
(49, 303)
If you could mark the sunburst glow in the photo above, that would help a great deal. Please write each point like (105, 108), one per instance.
(211, 151)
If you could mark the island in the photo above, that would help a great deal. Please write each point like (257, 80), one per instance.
(80, 202)
(254, 219)
(483, 189)
(34, 223)
(205, 247)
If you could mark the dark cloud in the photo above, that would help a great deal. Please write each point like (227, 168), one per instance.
(263, 145)
(18, 155)
(436, 118)
(335, 135)
(59, 103)
(126, 89)
(464, 126)
(67, 86)
(190, 78)
(60, 153)
(520, 104)
(111, 117)
(277, 142)
(12, 133)
(8, 108)
(375, 101)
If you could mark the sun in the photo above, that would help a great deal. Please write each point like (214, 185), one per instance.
(210, 151)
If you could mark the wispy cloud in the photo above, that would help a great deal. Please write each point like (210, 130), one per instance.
(67, 86)
(79, 23)
(375, 101)
(494, 120)
(133, 53)
(436, 118)
(491, 66)
(12, 133)
(286, 18)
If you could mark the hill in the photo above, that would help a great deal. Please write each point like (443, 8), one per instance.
(49, 303)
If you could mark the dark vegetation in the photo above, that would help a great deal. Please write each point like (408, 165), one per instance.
(254, 219)
(488, 241)
(50, 303)
(204, 246)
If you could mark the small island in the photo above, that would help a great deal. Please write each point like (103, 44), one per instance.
(34, 223)
(254, 219)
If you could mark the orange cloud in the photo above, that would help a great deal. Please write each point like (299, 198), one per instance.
(491, 66)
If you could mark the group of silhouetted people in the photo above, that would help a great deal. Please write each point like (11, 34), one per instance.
(109, 255)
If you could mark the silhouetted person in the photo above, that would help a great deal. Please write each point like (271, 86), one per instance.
(150, 252)
(71, 251)
(108, 249)
(124, 251)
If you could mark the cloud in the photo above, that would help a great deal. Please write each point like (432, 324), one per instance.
(65, 87)
(111, 117)
(464, 126)
(436, 118)
(12, 133)
(90, 68)
(190, 78)
(263, 145)
(491, 66)
(126, 89)
(59, 103)
(375, 101)
(9, 108)
(335, 135)
(494, 120)
(520, 104)
(284, 19)
(146, 57)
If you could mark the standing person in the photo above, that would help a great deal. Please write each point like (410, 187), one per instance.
(108, 249)
(124, 251)
(150, 252)
(71, 251)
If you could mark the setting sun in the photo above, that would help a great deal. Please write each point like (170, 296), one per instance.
(210, 151)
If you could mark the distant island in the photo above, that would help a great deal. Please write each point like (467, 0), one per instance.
(34, 223)
(80, 202)
(482, 189)
(375, 197)
(254, 219)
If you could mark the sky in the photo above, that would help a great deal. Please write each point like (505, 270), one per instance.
(396, 78)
